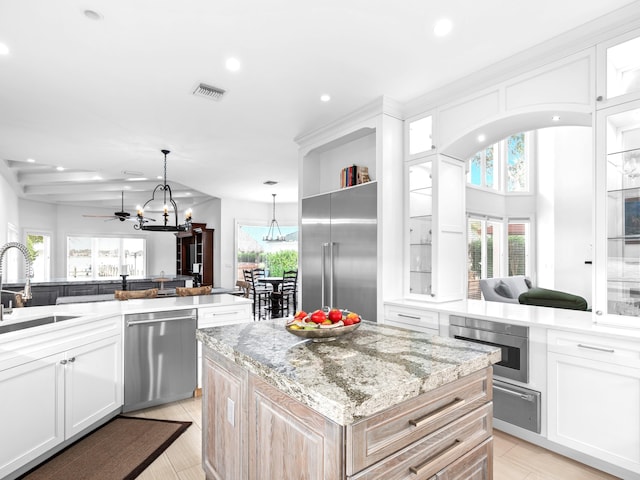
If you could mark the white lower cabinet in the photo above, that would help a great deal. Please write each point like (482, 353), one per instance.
(417, 319)
(217, 317)
(32, 413)
(594, 397)
(55, 395)
(93, 383)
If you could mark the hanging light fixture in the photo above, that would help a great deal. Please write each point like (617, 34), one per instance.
(269, 237)
(165, 227)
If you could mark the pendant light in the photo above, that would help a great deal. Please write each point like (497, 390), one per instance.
(166, 226)
(269, 237)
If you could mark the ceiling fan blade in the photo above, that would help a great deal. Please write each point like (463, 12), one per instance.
(99, 216)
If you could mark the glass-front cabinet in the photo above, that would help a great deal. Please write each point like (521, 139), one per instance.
(435, 231)
(623, 212)
(420, 227)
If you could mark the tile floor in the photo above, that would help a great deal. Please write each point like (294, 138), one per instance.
(514, 459)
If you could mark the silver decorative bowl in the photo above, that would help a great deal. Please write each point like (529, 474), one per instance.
(323, 334)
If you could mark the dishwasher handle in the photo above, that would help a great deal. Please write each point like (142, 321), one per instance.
(131, 323)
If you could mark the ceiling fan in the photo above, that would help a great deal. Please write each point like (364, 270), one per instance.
(121, 215)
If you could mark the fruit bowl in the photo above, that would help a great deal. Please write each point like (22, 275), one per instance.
(323, 334)
(323, 325)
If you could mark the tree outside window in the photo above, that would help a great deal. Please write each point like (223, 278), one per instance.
(506, 159)
(274, 257)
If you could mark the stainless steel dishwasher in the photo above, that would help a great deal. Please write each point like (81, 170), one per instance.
(159, 358)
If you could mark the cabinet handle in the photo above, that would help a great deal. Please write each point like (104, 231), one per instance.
(600, 349)
(72, 359)
(427, 463)
(63, 362)
(413, 317)
(456, 403)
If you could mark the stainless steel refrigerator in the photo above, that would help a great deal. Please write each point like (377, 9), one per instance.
(339, 250)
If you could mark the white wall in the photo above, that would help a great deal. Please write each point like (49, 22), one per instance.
(235, 211)
(8, 209)
(61, 221)
(565, 210)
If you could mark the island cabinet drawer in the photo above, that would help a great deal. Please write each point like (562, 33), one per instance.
(225, 315)
(412, 318)
(431, 455)
(385, 433)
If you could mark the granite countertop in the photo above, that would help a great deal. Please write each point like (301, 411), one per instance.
(353, 376)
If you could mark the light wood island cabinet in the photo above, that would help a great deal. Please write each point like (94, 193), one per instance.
(378, 403)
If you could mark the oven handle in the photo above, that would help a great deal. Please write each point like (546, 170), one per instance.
(523, 396)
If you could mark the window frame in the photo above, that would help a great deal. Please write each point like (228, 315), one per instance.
(502, 257)
(500, 166)
(94, 256)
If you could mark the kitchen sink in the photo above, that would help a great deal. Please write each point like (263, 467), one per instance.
(35, 322)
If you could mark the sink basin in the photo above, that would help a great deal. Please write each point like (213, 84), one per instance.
(35, 322)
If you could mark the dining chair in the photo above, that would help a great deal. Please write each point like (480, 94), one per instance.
(287, 296)
(260, 293)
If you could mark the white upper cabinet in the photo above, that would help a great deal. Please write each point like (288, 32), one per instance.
(619, 164)
(619, 69)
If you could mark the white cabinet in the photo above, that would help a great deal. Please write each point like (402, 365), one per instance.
(54, 385)
(417, 319)
(435, 232)
(218, 316)
(32, 413)
(92, 383)
(594, 396)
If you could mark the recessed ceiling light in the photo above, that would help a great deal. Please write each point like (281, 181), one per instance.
(92, 15)
(482, 137)
(31, 160)
(4, 50)
(60, 169)
(555, 118)
(325, 97)
(96, 177)
(136, 179)
(233, 64)
(159, 177)
(442, 27)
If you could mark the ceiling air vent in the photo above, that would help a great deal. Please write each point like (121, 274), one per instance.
(207, 91)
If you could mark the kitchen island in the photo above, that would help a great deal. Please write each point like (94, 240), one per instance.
(381, 402)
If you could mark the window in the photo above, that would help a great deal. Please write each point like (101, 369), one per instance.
(39, 247)
(486, 252)
(481, 169)
(517, 164)
(518, 255)
(274, 257)
(508, 159)
(105, 257)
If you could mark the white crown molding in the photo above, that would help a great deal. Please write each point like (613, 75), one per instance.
(379, 106)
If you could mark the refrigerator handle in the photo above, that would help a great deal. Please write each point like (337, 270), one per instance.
(323, 262)
(331, 275)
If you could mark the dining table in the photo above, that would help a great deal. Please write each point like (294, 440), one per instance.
(275, 300)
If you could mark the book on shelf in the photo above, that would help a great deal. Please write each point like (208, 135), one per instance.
(354, 175)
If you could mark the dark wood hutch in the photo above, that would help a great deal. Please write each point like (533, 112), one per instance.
(195, 246)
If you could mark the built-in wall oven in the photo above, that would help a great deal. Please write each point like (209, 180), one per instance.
(514, 404)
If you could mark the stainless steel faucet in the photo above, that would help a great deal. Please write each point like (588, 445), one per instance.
(26, 293)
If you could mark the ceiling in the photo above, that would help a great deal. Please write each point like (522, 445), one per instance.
(101, 97)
